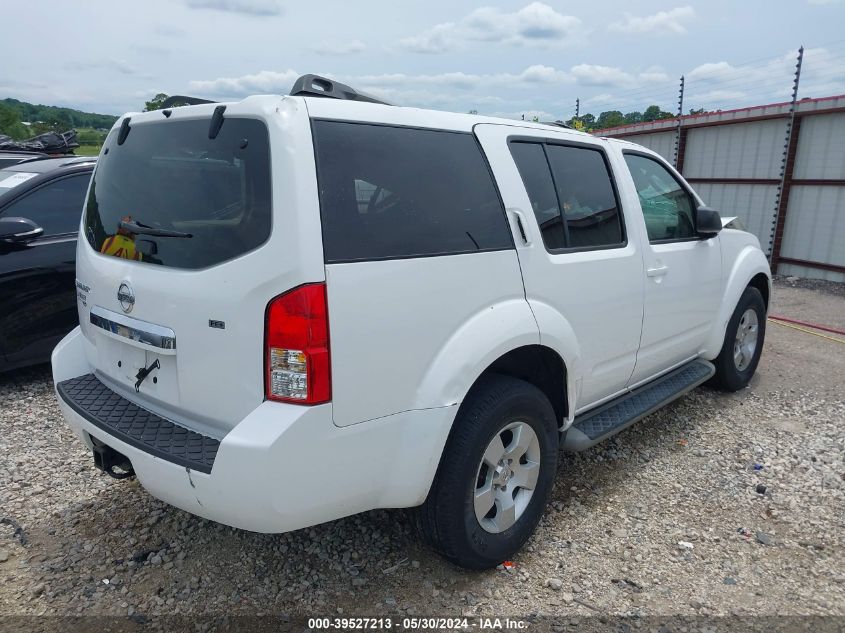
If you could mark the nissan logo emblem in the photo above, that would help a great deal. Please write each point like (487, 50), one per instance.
(126, 297)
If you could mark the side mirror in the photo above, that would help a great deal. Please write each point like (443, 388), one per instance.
(18, 230)
(707, 222)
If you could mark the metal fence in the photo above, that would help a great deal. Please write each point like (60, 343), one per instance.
(734, 160)
(779, 167)
(790, 193)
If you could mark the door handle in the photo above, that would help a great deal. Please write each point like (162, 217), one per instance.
(657, 271)
(521, 226)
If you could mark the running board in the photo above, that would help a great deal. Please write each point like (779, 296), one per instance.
(592, 427)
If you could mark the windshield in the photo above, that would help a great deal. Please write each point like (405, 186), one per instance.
(171, 196)
(10, 179)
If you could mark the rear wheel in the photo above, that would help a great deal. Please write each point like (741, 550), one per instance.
(743, 342)
(495, 475)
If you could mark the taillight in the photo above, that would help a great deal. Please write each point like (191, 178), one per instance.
(296, 335)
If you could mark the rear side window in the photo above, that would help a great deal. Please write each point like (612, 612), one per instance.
(194, 201)
(389, 192)
(531, 161)
(586, 196)
(571, 194)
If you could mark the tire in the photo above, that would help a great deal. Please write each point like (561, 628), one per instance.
(503, 407)
(734, 368)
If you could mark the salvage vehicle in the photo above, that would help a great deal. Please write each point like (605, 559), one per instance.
(41, 201)
(321, 304)
(9, 158)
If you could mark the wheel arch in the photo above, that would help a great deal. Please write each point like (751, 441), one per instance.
(540, 366)
(749, 268)
(764, 285)
(513, 338)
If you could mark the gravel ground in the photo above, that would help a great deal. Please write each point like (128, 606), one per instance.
(719, 504)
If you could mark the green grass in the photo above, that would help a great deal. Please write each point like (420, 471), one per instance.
(87, 150)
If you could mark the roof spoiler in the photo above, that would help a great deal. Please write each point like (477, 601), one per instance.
(316, 86)
(558, 123)
(180, 100)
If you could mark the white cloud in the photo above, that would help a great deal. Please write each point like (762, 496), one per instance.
(653, 75)
(169, 30)
(438, 39)
(601, 99)
(671, 21)
(713, 71)
(594, 75)
(773, 70)
(339, 48)
(543, 74)
(715, 84)
(543, 87)
(108, 64)
(442, 90)
(439, 89)
(776, 70)
(536, 23)
(264, 82)
(250, 7)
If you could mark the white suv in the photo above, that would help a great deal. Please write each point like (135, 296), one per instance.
(297, 308)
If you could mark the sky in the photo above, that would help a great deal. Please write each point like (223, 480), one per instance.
(503, 58)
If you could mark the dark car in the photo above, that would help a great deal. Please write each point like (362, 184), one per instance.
(8, 158)
(41, 202)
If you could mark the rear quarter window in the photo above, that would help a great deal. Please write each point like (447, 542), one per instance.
(391, 192)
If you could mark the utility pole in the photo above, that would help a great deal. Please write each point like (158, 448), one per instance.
(782, 197)
(678, 123)
(577, 108)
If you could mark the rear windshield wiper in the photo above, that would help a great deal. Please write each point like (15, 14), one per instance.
(142, 229)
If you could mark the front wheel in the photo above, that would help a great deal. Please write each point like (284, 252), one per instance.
(743, 342)
(495, 475)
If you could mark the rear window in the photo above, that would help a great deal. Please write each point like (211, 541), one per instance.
(173, 197)
(390, 192)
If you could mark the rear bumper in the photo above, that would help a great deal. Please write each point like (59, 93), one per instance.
(284, 467)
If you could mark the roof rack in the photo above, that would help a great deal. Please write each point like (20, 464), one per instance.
(180, 100)
(316, 86)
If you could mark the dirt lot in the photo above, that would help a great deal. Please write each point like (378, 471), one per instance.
(664, 519)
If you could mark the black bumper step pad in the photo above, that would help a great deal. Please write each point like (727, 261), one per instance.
(593, 426)
(137, 427)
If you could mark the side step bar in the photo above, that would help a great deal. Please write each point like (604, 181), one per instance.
(596, 425)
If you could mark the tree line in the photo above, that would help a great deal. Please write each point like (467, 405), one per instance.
(614, 118)
(43, 118)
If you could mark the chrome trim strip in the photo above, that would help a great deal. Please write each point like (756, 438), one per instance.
(133, 329)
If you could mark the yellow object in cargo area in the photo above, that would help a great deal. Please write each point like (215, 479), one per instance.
(120, 246)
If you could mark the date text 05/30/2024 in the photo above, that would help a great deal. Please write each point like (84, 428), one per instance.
(419, 624)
